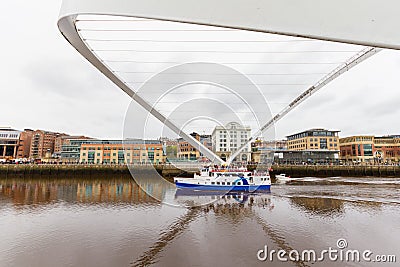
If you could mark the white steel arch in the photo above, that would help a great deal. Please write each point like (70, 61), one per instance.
(364, 22)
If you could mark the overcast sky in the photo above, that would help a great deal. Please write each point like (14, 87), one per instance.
(46, 84)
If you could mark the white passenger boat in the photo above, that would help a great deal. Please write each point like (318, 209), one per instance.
(240, 179)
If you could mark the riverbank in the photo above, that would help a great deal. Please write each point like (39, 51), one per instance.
(79, 170)
(64, 171)
(337, 170)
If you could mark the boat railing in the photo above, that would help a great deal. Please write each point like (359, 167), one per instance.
(260, 173)
(229, 170)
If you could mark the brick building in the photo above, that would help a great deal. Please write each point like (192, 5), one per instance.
(187, 151)
(371, 149)
(24, 145)
(64, 140)
(42, 144)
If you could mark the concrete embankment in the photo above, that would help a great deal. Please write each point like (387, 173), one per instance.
(169, 171)
(335, 171)
(95, 171)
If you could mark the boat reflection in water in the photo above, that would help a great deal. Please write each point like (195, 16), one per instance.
(217, 200)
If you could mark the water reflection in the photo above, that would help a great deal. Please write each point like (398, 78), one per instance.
(110, 221)
(22, 192)
(321, 206)
(234, 207)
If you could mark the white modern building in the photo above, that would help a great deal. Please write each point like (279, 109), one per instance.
(9, 139)
(227, 139)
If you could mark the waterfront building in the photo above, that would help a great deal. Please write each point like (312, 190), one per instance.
(170, 148)
(227, 139)
(42, 144)
(314, 139)
(370, 149)
(262, 151)
(58, 142)
(262, 156)
(306, 156)
(387, 149)
(24, 144)
(71, 149)
(9, 139)
(187, 151)
(133, 151)
(206, 140)
(63, 141)
(269, 144)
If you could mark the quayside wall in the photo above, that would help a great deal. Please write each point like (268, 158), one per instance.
(169, 171)
(336, 171)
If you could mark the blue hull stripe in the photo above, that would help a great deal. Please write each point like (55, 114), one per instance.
(244, 188)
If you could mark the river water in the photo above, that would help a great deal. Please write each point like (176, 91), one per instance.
(111, 222)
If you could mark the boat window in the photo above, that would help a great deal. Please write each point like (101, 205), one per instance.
(217, 182)
(223, 183)
(212, 182)
(239, 183)
(228, 183)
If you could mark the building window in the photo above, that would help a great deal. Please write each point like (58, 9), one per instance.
(367, 150)
(323, 143)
